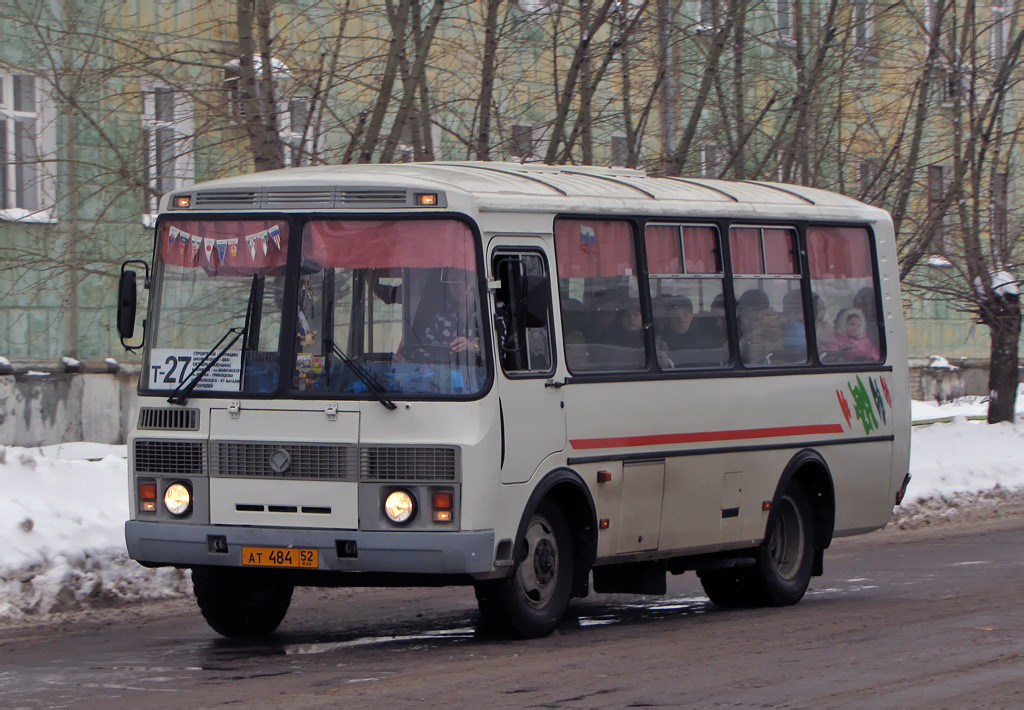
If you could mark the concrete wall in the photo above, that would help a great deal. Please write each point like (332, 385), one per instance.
(42, 409)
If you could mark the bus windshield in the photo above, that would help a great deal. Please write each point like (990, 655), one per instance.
(390, 305)
(216, 278)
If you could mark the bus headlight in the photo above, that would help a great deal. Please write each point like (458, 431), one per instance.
(178, 499)
(400, 507)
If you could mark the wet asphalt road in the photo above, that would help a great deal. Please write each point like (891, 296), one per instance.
(928, 619)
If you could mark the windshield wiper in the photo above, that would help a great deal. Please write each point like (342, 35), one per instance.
(363, 374)
(185, 387)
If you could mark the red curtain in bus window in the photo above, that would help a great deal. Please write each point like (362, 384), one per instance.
(780, 251)
(838, 252)
(225, 247)
(587, 248)
(663, 255)
(745, 248)
(700, 246)
(422, 243)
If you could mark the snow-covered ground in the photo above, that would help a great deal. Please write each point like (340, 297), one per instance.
(63, 509)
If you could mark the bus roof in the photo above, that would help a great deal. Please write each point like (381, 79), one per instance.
(495, 185)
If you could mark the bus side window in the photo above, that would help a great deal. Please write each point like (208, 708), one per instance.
(522, 318)
(847, 328)
(686, 279)
(769, 300)
(602, 325)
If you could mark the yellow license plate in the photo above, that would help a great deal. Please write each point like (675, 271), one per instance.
(280, 557)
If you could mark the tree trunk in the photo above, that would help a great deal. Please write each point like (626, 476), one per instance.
(1003, 319)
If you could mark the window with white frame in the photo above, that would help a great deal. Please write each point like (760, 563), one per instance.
(523, 144)
(26, 135)
(296, 131)
(712, 157)
(1000, 28)
(784, 19)
(620, 150)
(863, 24)
(168, 124)
(708, 14)
(867, 178)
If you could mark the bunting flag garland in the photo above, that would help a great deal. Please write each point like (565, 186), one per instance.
(224, 248)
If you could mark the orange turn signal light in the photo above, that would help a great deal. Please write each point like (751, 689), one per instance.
(766, 506)
(183, 201)
(443, 502)
(426, 199)
(147, 497)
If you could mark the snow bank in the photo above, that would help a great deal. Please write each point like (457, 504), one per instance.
(62, 516)
(62, 534)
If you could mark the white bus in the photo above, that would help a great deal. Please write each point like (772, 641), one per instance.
(520, 377)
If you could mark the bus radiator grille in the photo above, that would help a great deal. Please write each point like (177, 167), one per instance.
(181, 458)
(234, 459)
(408, 463)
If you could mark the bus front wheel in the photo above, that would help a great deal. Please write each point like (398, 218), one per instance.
(240, 602)
(532, 600)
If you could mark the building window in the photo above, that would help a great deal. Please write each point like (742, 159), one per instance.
(620, 151)
(168, 124)
(712, 161)
(523, 143)
(1000, 202)
(784, 19)
(708, 14)
(867, 177)
(1000, 29)
(296, 132)
(936, 192)
(863, 24)
(20, 121)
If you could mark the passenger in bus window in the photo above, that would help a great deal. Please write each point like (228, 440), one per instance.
(678, 332)
(865, 301)
(794, 331)
(850, 342)
(760, 328)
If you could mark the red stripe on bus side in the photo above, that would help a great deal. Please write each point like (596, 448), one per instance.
(705, 436)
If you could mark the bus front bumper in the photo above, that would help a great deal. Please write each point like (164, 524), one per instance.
(339, 550)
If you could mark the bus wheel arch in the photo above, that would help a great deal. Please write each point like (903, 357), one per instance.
(554, 549)
(808, 470)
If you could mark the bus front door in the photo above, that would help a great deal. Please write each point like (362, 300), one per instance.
(532, 414)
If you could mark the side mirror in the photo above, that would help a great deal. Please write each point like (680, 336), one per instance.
(127, 304)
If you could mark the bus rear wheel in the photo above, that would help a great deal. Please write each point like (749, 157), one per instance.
(532, 600)
(786, 557)
(238, 602)
(782, 564)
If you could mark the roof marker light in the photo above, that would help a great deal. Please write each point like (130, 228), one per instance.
(183, 201)
(426, 199)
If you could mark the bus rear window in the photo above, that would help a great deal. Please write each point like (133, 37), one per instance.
(843, 286)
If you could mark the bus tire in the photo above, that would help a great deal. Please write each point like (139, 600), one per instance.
(786, 557)
(728, 588)
(238, 602)
(532, 600)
